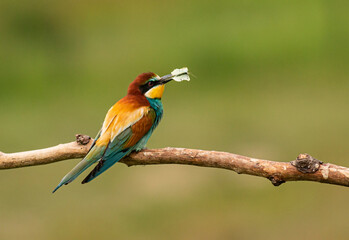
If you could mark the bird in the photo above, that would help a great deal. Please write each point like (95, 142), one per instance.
(127, 126)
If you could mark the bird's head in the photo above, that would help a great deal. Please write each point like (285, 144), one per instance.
(149, 84)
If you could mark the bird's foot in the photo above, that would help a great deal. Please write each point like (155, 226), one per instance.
(140, 149)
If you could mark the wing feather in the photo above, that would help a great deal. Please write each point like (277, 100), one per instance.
(140, 128)
(126, 119)
(123, 144)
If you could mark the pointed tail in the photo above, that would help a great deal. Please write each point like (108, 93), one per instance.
(93, 156)
(105, 163)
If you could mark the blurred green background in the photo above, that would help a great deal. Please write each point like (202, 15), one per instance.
(271, 82)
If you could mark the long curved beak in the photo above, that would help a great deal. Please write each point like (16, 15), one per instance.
(166, 78)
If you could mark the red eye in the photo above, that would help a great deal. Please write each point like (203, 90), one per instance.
(150, 84)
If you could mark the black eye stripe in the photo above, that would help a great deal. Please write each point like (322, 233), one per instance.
(148, 85)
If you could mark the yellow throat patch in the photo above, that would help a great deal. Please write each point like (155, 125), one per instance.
(155, 92)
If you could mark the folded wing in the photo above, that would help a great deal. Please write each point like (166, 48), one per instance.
(119, 133)
(123, 144)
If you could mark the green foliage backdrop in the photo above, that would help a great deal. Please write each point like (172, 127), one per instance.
(271, 82)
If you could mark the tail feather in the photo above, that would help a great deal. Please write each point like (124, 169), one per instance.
(93, 156)
(105, 164)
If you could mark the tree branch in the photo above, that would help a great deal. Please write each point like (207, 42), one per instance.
(304, 168)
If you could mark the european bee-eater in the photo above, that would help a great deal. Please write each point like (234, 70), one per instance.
(127, 125)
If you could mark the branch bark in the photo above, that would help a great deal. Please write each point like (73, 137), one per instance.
(304, 168)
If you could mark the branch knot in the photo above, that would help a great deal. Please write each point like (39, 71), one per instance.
(306, 163)
(276, 180)
(82, 139)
